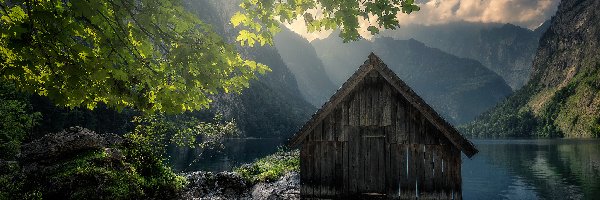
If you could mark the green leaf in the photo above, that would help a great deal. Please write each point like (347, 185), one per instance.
(374, 30)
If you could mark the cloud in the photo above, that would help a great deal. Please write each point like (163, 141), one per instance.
(525, 13)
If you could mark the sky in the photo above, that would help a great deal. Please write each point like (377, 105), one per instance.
(524, 13)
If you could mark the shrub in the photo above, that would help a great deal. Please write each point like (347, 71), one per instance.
(272, 167)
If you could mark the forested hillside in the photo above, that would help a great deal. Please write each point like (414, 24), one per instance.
(562, 99)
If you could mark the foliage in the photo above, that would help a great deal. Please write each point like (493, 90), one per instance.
(152, 55)
(595, 127)
(272, 167)
(509, 119)
(16, 120)
(551, 111)
(559, 116)
(131, 171)
(261, 18)
(182, 130)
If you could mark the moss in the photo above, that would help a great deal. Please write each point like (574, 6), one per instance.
(272, 167)
(130, 171)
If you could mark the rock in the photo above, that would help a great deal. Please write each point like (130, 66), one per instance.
(46, 153)
(63, 144)
(229, 185)
(222, 185)
(287, 187)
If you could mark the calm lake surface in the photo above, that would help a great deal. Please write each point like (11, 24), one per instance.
(503, 169)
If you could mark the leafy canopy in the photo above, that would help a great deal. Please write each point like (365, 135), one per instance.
(152, 55)
(261, 18)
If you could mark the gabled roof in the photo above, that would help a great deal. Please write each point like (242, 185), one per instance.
(371, 64)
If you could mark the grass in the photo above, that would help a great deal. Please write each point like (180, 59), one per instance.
(272, 167)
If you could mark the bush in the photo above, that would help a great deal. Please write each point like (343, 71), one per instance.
(127, 170)
(272, 167)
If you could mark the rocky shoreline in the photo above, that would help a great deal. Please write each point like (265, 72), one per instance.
(230, 185)
(63, 164)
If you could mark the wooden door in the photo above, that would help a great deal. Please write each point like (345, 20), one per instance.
(368, 164)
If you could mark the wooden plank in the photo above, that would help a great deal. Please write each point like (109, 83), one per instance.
(316, 170)
(371, 164)
(345, 169)
(330, 128)
(388, 170)
(386, 105)
(404, 170)
(337, 169)
(364, 152)
(428, 169)
(457, 174)
(363, 107)
(309, 169)
(446, 172)
(303, 165)
(338, 128)
(437, 170)
(390, 134)
(412, 172)
(354, 156)
(392, 170)
(376, 108)
(317, 132)
(354, 110)
(401, 123)
(382, 157)
(345, 106)
(326, 170)
(421, 169)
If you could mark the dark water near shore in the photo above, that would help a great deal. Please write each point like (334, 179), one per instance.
(503, 169)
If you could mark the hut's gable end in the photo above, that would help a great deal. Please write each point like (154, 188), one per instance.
(376, 109)
(375, 96)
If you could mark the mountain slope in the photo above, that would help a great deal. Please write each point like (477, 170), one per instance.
(273, 105)
(504, 48)
(458, 88)
(563, 96)
(303, 62)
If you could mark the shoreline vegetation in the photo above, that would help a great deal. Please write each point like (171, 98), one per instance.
(78, 163)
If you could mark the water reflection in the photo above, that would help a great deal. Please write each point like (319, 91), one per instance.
(503, 169)
(236, 151)
(533, 169)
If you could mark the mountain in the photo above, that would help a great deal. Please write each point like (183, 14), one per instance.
(458, 88)
(506, 49)
(302, 60)
(542, 28)
(562, 99)
(272, 106)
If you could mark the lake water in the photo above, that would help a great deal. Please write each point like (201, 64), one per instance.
(503, 169)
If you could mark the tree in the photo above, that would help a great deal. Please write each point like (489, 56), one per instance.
(261, 18)
(153, 55)
(148, 54)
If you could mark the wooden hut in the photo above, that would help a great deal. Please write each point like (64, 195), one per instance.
(376, 138)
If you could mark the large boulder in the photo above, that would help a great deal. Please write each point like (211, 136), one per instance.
(66, 143)
(50, 151)
(287, 187)
(230, 185)
(222, 185)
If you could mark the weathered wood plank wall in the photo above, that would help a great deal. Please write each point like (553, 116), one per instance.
(375, 143)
